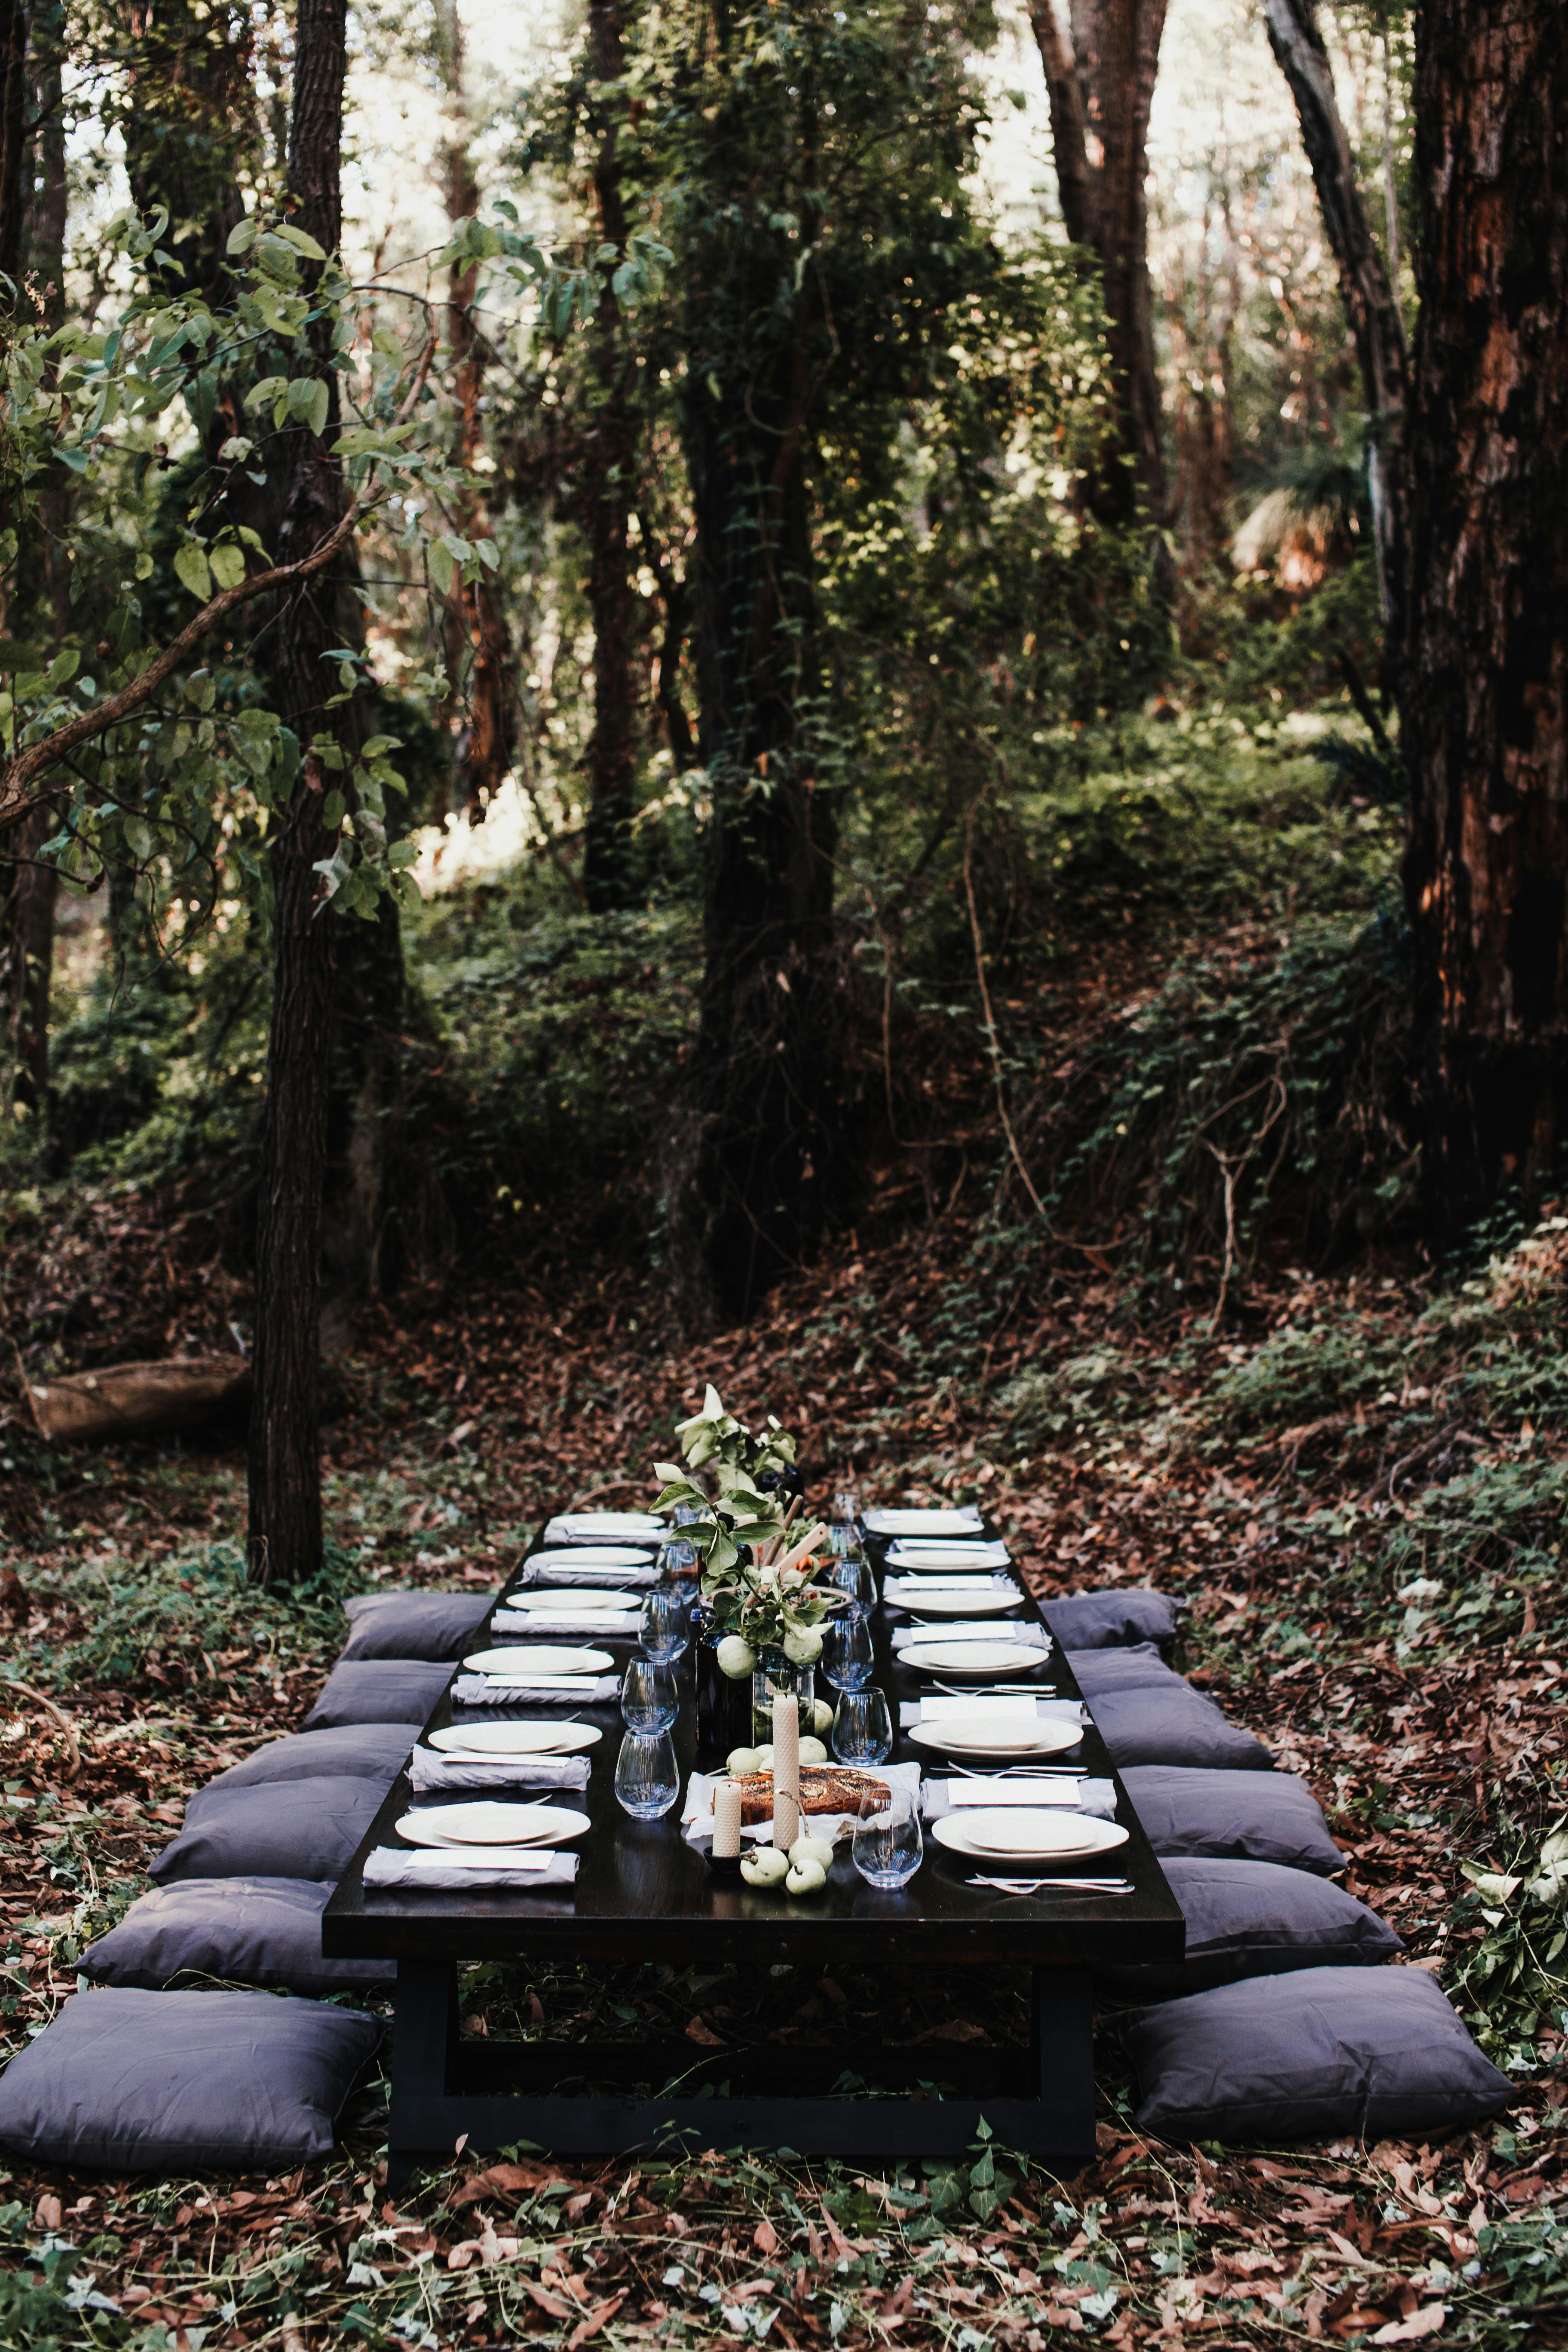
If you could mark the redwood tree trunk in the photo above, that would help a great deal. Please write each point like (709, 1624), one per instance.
(1100, 83)
(1486, 683)
(13, 139)
(285, 1531)
(480, 653)
(608, 492)
(1370, 304)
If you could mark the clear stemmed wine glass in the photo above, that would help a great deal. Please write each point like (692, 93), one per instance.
(847, 1653)
(665, 1625)
(888, 1846)
(649, 1700)
(862, 1728)
(647, 1778)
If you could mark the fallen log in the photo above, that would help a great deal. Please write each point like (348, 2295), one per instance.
(137, 1399)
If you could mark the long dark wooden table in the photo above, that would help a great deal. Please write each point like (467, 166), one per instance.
(642, 1893)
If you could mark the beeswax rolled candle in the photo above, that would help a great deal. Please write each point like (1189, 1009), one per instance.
(786, 1769)
(726, 1820)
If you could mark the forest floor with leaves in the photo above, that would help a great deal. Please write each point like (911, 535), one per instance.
(1358, 1482)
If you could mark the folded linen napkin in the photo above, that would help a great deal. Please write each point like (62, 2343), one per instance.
(1085, 1796)
(520, 1869)
(607, 1528)
(548, 1570)
(923, 1553)
(965, 1521)
(433, 1768)
(697, 1810)
(542, 1690)
(1032, 1636)
(985, 1709)
(623, 1621)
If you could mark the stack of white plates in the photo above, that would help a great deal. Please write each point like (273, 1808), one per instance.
(476, 1741)
(953, 1653)
(1017, 1833)
(971, 1735)
(541, 1661)
(487, 1822)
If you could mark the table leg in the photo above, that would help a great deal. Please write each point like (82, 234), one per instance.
(1063, 2034)
(425, 2040)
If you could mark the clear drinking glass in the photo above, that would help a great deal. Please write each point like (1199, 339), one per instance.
(649, 1700)
(665, 1627)
(852, 1578)
(847, 1653)
(846, 1505)
(648, 1780)
(676, 1560)
(888, 1847)
(862, 1728)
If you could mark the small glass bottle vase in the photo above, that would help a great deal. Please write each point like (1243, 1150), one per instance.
(723, 1716)
(773, 1675)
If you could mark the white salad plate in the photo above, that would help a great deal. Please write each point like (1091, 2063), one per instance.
(955, 1656)
(577, 1600)
(541, 1658)
(517, 1739)
(963, 1735)
(962, 1522)
(591, 1556)
(1015, 1834)
(486, 1823)
(978, 1603)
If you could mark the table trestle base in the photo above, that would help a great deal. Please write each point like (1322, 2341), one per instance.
(444, 2090)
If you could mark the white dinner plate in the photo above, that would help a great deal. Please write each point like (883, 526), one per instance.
(540, 1658)
(1012, 1833)
(965, 1521)
(518, 1738)
(965, 1737)
(969, 1658)
(963, 1604)
(487, 1822)
(575, 1600)
(592, 1556)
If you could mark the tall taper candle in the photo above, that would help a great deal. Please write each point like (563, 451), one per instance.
(786, 1769)
(726, 1820)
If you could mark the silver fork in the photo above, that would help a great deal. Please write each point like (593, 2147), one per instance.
(1020, 1772)
(1033, 1886)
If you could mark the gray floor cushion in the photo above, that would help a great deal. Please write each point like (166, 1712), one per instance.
(1139, 1666)
(1174, 1724)
(371, 1751)
(1376, 2052)
(378, 1690)
(1095, 1621)
(435, 1625)
(1258, 1919)
(1239, 1816)
(283, 1829)
(171, 2082)
(256, 1931)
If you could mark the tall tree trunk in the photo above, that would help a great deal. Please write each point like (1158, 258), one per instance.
(285, 1493)
(14, 141)
(1485, 690)
(1099, 80)
(766, 1059)
(34, 885)
(185, 122)
(606, 496)
(479, 643)
(1365, 288)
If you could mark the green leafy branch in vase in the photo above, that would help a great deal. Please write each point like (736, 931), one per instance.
(761, 1592)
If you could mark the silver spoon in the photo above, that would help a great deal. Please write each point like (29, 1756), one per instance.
(1033, 1886)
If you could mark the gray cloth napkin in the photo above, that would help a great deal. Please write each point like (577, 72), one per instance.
(1097, 1797)
(569, 1690)
(431, 1769)
(572, 1529)
(561, 1621)
(1033, 1637)
(1050, 1710)
(563, 1572)
(392, 1866)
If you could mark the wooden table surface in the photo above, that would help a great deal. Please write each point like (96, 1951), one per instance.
(643, 1893)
